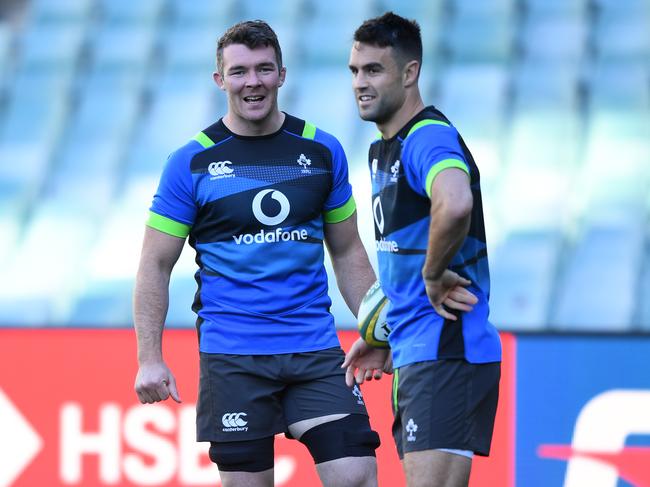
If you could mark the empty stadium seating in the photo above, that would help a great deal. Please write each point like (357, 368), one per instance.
(552, 97)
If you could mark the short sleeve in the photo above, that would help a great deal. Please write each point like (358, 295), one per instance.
(340, 204)
(429, 150)
(173, 209)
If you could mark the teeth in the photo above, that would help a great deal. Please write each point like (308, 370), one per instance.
(253, 98)
(365, 97)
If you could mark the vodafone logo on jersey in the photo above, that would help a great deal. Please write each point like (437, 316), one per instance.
(598, 455)
(267, 218)
(271, 220)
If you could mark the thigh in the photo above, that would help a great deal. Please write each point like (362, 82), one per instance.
(239, 398)
(317, 388)
(434, 468)
(445, 404)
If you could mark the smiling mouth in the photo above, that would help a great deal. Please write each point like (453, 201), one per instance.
(253, 99)
(365, 97)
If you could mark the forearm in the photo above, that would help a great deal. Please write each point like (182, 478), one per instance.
(354, 274)
(150, 304)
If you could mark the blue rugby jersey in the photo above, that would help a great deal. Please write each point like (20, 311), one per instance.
(402, 170)
(254, 210)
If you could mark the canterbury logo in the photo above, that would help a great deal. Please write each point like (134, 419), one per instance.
(269, 220)
(233, 420)
(220, 169)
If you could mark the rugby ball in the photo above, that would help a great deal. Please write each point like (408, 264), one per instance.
(372, 324)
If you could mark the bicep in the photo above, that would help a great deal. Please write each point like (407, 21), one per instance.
(341, 236)
(161, 249)
(451, 187)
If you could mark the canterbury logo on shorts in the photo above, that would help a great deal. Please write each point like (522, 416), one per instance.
(234, 422)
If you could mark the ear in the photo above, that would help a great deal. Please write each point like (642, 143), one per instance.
(410, 73)
(283, 75)
(218, 79)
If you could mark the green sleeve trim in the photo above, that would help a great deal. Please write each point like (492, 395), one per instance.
(203, 139)
(441, 166)
(424, 123)
(167, 225)
(309, 131)
(342, 212)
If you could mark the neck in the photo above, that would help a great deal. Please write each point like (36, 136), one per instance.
(409, 109)
(251, 128)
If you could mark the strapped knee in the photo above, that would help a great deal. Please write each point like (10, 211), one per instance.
(347, 437)
(243, 456)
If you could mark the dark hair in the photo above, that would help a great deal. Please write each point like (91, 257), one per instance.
(252, 34)
(403, 35)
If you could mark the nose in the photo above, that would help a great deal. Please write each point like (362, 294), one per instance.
(359, 81)
(252, 79)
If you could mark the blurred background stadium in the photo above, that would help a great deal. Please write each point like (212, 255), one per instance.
(552, 96)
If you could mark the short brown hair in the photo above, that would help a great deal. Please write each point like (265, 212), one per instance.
(252, 34)
(391, 30)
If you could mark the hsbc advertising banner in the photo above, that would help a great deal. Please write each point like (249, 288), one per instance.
(573, 412)
(69, 416)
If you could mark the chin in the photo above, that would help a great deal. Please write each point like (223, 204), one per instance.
(368, 116)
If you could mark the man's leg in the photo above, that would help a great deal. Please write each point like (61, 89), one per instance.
(440, 405)
(247, 479)
(244, 463)
(326, 437)
(435, 468)
(331, 420)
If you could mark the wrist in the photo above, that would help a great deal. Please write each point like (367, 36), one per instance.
(430, 276)
(145, 359)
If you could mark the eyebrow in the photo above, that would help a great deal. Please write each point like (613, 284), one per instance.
(368, 66)
(264, 64)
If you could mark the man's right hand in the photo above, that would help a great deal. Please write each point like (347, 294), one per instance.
(449, 291)
(155, 383)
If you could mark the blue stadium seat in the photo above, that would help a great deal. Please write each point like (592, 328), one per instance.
(477, 110)
(554, 39)
(598, 288)
(55, 46)
(160, 131)
(522, 274)
(279, 12)
(476, 38)
(207, 12)
(48, 260)
(335, 112)
(128, 11)
(6, 39)
(190, 47)
(622, 38)
(335, 35)
(123, 46)
(619, 85)
(43, 11)
(556, 9)
(36, 115)
(102, 304)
